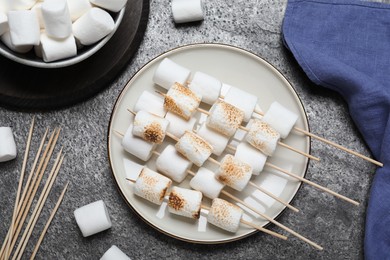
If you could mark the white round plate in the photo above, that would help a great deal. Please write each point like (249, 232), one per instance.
(236, 67)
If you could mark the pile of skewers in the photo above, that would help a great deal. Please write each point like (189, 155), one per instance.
(173, 116)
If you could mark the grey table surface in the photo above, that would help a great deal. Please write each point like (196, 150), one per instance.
(254, 25)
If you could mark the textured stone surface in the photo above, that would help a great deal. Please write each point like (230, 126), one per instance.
(254, 25)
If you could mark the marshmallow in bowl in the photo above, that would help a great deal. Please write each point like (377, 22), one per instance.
(169, 72)
(8, 146)
(56, 49)
(3, 23)
(207, 86)
(24, 27)
(225, 215)
(77, 8)
(6, 39)
(111, 5)
(93, 26)
(184, 11)
(92, 218)
(114, 253)
(56, 17)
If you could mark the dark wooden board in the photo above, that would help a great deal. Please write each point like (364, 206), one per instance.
(28, 88)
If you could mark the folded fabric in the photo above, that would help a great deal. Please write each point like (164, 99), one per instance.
(344, 45)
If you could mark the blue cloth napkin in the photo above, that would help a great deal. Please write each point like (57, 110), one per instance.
(345, 46)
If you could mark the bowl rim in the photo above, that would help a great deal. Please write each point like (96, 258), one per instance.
(69, 61)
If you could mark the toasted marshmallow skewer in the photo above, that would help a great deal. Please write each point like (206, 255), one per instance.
(185, 202)
(296, 177)
(149, 127)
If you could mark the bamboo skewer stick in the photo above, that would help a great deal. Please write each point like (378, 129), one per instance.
(33, 188)
(21, 178)
(257, 111)
(292, 232)
(36, 248)
(39, 206)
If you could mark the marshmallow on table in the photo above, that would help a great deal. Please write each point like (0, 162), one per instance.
(6, 39)
(181, 101)
(234, 172)
(184, 11)
(177, 125)
(149, 127)
(250, 155)
(280, 118)
(56, 49)
(114, 253)
(242, 100)
(207, 86)
(194, 148)
(3, 23)
(7, 144)
(215, 139)
(185, 202)
(111, 5)
(172, 164)
(150, 103)
(56, 17)
(225, 118)
(78, 7)
(24, 27)
(152, 186)
(205, 182)
(137, 146)
(92, 218)
(169, 72)
(93, 26)
(262, 136)
(225, 215)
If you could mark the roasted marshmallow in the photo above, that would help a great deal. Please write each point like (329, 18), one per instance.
(242, 100)
(262, 136)
(234, 172)
(185, 202)
(137, 146)
(149, 127)
(194, 148)
(225, 215)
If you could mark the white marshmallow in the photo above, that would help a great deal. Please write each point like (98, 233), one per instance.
(6, 39)
(114, 253)
(7, 144)
(137, 146)
(20, 4)
(3, 23)
(280, 118)
(215, 139)
(93, 26)
(172, 164)
(111, 5)
(225, 215)
(77, 8)
(194, 148)
(242, 100)
(57, 49)
(251, 156)
(207, 86)
(234, 172)
(184, 11)
(37, 8)
(177, 125)
(262, 136)
(205, 182)
(24, 27)
(181, 101)
(152, 186)
(169, 72)
(225, 118)
(92, 218)
(185, 202)
(149, 127)
(150, 103)
(56, 17)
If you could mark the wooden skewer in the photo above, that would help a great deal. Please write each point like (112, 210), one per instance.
(257, 111)
(267, 231)
(301, 179)
(37, 179)
(39, 206)
(26, 187)
(36, 248)
(292, 232)
(26, 152)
